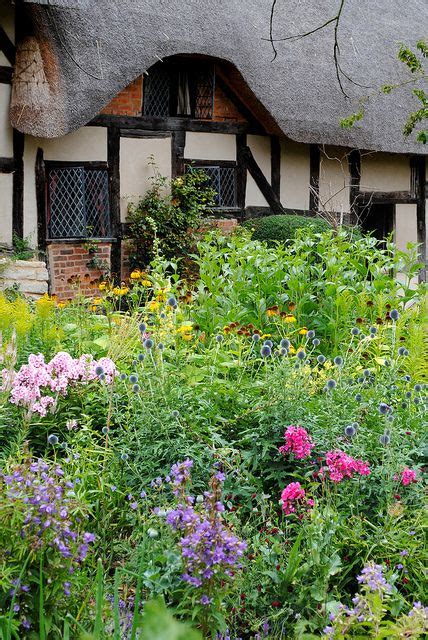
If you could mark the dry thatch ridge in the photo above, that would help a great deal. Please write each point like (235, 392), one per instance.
(93, 49)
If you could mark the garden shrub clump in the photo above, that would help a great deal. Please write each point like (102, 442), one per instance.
(282, 228)
(239, 458)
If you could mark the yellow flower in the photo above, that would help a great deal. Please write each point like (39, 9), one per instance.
(272, 311)
(289, 318)
(185, 328)
(102, 286)
(146, 283)
(153, 305)
(135, 275)
(265, 335)
(303, 331)
(120, 291)
(61, 305)
(187, 336)
(291, 349)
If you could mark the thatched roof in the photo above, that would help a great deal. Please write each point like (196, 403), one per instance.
(91, 50)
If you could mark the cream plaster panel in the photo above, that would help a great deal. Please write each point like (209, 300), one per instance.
(6, 192)
(210, 146)
(135, 171)
(260, 147)
(6, 134)
(295, 175)
(385, 172)
(30, 202)
(334, 180)
(406, 229)
(87, 143)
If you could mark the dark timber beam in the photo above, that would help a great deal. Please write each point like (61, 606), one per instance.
(354, 163)
(7, 165)
(241, 172)
(239, 104)
(178, 142)
(41, 200)
(18, 184)
(7, 46)
(259, 178)
(386, 197)
(314, 169)
(113, 162)
(420, 189)
(5, 74)
(168, 124)
(275, 165)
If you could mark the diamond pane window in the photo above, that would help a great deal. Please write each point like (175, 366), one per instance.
(78, 202)
(223, 180)
(179, 88)
(157, 92)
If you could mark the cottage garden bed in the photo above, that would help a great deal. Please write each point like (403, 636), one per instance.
(238, 460)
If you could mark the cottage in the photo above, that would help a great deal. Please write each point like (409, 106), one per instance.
(90, 89)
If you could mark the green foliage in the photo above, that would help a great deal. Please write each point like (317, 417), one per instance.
(282, 228)
(22, 249)
(167, 217)
(204, 391)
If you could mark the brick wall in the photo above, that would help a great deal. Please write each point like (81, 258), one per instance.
(224, 109)
(69, 270)
(128, 102)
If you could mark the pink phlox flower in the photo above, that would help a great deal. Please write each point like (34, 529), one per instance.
(408, 476)
(297, 441)
(340, 465)
(291, 495)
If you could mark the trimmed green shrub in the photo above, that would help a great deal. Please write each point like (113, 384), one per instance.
(281, 228)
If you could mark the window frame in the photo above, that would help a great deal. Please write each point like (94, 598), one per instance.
(84, 164)
(222, 164)
(192, 68)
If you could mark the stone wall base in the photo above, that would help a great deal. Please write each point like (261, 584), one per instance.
(31, 276)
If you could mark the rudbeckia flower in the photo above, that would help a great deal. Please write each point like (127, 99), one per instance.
(289, 318)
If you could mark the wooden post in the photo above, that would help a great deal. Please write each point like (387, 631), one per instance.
(262, 183)
(178, 142)
(42, 230)
(275, 162)
(419, 186)
(18, 184)
(113, 158)
(314, 169)
(241, 172)
(354, 163)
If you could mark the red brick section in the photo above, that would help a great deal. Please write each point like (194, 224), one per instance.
(224, 109)
(69, 271)
(128, 102)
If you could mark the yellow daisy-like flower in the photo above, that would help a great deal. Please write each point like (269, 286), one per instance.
(291, 349)
(303, 331)
(61, 305)
(146, 283)
(135, 275)
(187, 336)
(289, 318)
(272, 311)
(153, 305)
(265, 335)
(102, 286)
(120, 291)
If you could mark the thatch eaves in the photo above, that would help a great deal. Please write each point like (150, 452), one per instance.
(94, 50)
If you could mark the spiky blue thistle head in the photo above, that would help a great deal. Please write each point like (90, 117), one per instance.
(105, 430)
(383, 408)
(321, 359)
(355, 331)
(283, 351)
(148, 344)
(316, 342)
(269, 343)
(161, 346)
(301, 355)
(373, 329)
(172, 302)
(175, 413)
(124, 457)
(255, 337)
(140, 357)
(331, 384)
(219, 338)
(338, 361)
(401, 351)
(142, 327)
(123, 376)
(350, 431)
(136, 388)
(284, 344)
(133, 378)
(394, 314)
(311, 334)
(385, 438)
(417, 388)
(358, 397)
(53, 439)
(265, 351)
(99, 370)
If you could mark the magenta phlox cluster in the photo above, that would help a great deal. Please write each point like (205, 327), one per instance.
(208, 547)
(47, 502)
(297, 441)
(408, 476)
(33, 384)
(293, 497)
(340, 466)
